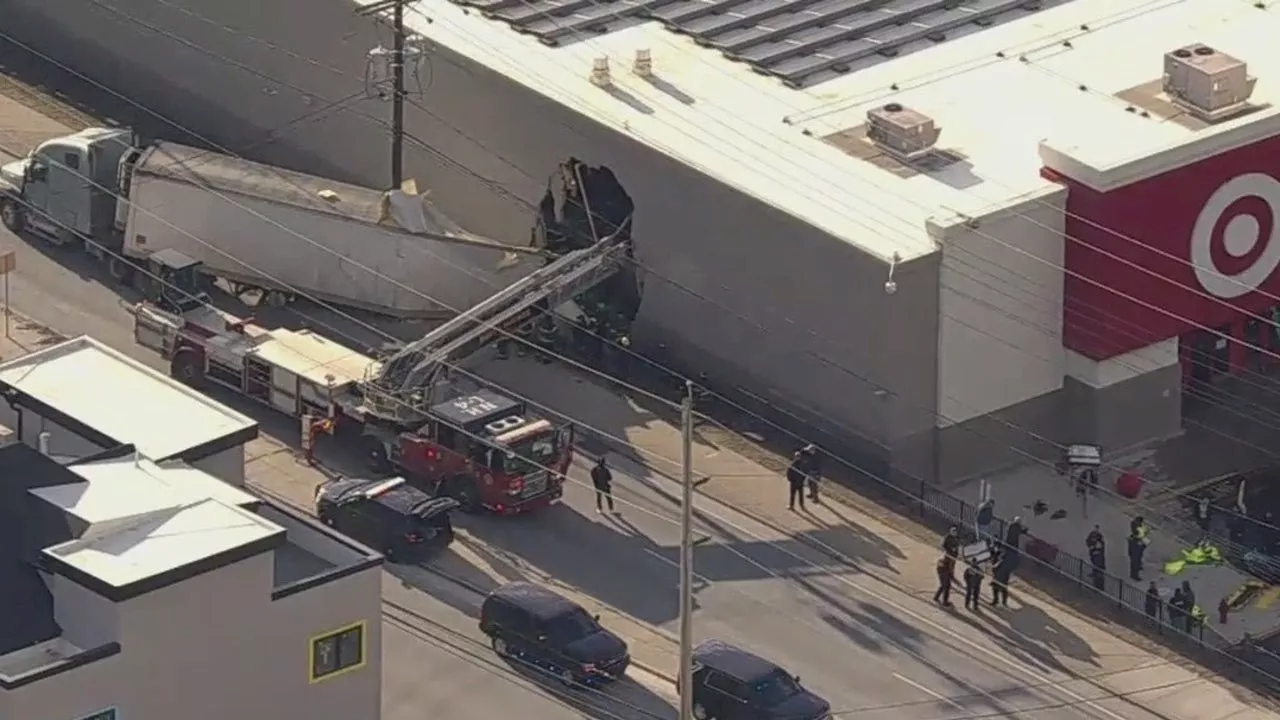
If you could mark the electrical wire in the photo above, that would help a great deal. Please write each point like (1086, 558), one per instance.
(601, 433)
(627, 350)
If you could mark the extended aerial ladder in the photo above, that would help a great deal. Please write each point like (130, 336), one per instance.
(399, 389)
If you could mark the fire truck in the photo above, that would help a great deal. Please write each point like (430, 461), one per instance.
(411, 413)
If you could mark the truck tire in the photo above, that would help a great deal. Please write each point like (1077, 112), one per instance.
(187, 368)
(13, 215)
(463, 489)
(121, 270)
(277, 298)
(375, 453)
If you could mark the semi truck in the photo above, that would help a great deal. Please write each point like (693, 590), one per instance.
(416, 411)
(263, 231)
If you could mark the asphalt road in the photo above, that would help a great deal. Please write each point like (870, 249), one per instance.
(879, 652)
(441, 666)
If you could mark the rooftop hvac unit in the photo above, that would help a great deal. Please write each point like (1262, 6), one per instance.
(1206, 83)
(901, 131)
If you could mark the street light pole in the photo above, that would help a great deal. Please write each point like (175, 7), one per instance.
(686, 559)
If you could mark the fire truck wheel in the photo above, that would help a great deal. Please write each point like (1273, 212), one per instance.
(187, 368)
(121, 270)
(375, 454)
(463, 489)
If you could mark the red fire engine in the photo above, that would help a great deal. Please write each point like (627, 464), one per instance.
(410, 413)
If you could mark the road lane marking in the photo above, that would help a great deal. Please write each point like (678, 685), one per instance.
(932, 693)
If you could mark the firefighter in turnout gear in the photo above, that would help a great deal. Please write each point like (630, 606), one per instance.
(545, 335)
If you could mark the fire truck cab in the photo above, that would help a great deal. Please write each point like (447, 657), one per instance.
(486, 451)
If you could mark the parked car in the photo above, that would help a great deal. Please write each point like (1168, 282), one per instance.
(391, 516)
(730, 683)
(534, 625)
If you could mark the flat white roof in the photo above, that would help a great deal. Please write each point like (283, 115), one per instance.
(163, 540)
(121, 398)
(128, 487)
(996, 94)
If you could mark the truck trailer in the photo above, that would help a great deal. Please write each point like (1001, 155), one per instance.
(414, 412)
(259, 229)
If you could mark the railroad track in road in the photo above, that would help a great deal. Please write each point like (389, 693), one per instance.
(47, 102)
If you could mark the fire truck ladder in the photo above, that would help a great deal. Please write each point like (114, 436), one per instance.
(399, 391)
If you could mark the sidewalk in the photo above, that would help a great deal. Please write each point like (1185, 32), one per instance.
(1091, 654)
(1017, 490)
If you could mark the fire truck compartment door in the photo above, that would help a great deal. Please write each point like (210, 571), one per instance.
(284, 390)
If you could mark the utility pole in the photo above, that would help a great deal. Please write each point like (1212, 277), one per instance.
(686, 559)
(397, 63)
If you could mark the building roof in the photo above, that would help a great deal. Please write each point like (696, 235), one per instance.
(125, 487)
(997, 93)
(111, 399)
(118, 558)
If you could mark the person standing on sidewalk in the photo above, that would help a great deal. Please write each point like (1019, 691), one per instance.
(1153, 602)
(1001, 573)
(602, 479)
(972, 585)
(796, 480)
(1097, 546)
(951, 543)
(812, 470)
(1137, 548)
(946, 575)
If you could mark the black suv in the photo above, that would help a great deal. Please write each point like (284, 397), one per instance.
(535, 625)
(391, 516)
(730, 683)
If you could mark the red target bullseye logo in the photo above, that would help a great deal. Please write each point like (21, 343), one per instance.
(1235, 244)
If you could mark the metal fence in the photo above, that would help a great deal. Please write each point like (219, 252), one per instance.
(1063, 575)
(1070, 578)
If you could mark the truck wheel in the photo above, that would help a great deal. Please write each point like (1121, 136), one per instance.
(463, 489)
(375, 454)
(12, 216)
(121, 270)
(187, 368)
(277, 298)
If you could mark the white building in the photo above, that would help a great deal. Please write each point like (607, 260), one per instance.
(151, 589)
(1091, 135)
(91, 397)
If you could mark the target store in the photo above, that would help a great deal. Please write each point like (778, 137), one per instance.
(1171, 268)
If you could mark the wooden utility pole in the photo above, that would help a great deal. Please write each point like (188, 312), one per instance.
(397, 81)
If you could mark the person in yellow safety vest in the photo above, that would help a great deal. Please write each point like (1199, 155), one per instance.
(1197, 619)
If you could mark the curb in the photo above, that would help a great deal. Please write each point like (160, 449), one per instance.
(662, 674)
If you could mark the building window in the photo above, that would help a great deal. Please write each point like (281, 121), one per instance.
(108, 714)
(337, 652)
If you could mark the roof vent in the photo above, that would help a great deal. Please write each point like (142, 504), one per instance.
(1206, 83)
(902, 132)
(644, 63)
(600, 72)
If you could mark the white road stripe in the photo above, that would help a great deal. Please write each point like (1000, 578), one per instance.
(932, 693)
